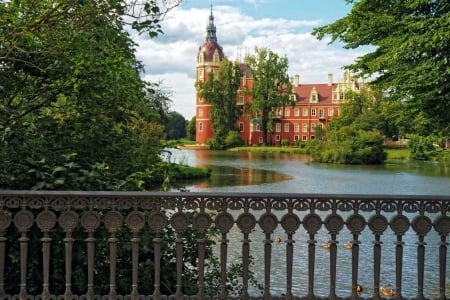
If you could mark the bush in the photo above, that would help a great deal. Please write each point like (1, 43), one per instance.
(233, 139)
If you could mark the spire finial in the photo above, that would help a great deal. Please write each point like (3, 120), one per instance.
(211, 29)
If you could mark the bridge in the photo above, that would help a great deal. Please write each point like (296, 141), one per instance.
(146, 245)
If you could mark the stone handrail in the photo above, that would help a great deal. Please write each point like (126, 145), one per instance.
(25, 214)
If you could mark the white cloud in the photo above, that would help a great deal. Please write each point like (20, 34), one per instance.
(171, 57)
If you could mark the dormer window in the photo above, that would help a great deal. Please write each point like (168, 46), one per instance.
(314, 96)
(201, 58)
(216, 57)
(292, 97)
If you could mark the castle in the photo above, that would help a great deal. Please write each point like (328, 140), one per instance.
(315, 104)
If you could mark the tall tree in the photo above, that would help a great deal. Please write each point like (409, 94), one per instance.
(221, 90)
(271, 86)
(176, 126)
(411, 51)
(70, 85)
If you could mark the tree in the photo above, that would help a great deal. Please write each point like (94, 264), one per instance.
(176, 126)
(221, 91)
(191, 129)
(271, 86)
(355, 136)
(410, 56)
(70, 88)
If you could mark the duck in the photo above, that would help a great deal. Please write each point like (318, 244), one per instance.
(277, 239)
(387, 292)
(326, 245)
(359, 288)
(348, 245)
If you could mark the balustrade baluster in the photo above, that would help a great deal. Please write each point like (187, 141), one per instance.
(334, 223)
(224, 222)
(157, 221)
(442, 226)
(46, 220)
(421, 225)
(90, 222)
(23, 220)
(399, 225)
(68, 221)
(356, 224)
(290, 223)
(179, 222)
(377, 224)
(312, 224)
(5, 222)
(202, 221)
(113, 221)
(268, 223)
(246, 223)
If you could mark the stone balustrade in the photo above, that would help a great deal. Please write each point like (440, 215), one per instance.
(67, 245)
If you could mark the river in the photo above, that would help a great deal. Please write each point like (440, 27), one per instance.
(291, 173)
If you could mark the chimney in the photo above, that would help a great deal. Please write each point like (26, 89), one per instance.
(330, 79)
(296, 80)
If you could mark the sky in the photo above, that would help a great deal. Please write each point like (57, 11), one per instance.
(283, 26)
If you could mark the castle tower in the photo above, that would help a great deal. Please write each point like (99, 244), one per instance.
(209, 56)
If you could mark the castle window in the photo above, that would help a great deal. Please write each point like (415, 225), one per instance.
(241, 127)
(200, 112)
(296, 127)
(304, 138)
(321, 115)
(287, 112)
(313, 112)
(277, 138)
(241, 100)
(314, 96)
(330, 112)
(200, 126)
(305, 128)
(278, 127)
(296, 112)
(286, 127)
(200, 75)
(296, 138)
(292, 97)
(305, 112)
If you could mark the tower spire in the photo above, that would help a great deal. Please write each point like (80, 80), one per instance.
(211, 29)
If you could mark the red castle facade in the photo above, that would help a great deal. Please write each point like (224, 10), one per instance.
(315, 104)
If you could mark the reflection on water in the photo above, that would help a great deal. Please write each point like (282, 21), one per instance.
(293, 173)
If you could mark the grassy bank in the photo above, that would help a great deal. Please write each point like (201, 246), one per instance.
(272, 149)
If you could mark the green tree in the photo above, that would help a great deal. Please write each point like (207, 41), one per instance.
(410, 57)
(355, 136)
(70, 84)
(176, 126)
(191, 129)
(271, 86)
(221, 91)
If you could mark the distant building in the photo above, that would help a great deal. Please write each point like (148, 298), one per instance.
(315, 104)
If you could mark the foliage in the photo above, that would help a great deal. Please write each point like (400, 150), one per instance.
(176, 126)
(349, 145)
(221, 91)
(271, 86)
(355, 136)
(233, 139)
(191, 129)
(409, 42)
(70, 85)
(421, 146)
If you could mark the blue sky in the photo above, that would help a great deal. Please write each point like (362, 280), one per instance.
(283, 26)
